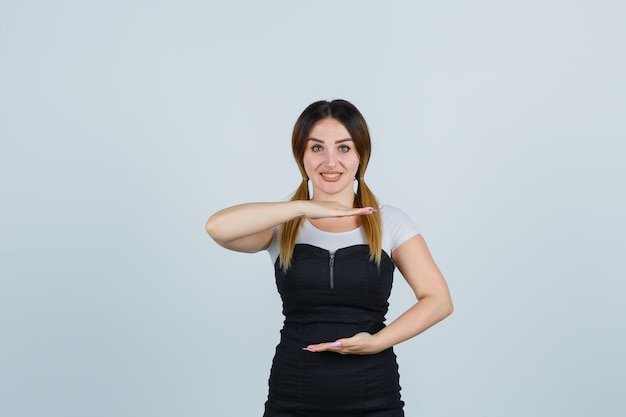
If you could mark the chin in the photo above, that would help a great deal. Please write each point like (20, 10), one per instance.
(335, 189)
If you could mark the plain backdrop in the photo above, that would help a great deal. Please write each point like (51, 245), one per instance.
(498, 126)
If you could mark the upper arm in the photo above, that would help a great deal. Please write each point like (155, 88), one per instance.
(250, 244)
(418, 267)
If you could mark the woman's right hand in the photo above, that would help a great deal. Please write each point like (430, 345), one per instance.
(325, 209)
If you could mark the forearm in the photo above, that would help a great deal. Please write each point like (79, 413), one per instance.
(424, 314)
(427, 312)
(244, 220)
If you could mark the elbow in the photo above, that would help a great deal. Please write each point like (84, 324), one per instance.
(448, 308)
(445, 307)
(440, 306)
(219, 231)
(212, 228)
(209, 226)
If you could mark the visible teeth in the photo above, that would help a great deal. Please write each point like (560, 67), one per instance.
(330, 175)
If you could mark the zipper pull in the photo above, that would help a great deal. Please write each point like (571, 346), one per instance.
(331, 264)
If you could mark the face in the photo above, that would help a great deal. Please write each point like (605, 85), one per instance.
(330, 159)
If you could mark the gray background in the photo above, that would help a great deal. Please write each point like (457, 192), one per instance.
(498, 126)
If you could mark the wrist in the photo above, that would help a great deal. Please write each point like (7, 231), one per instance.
(299, 207)
(377, 343)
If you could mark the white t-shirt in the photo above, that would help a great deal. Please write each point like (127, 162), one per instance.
(397, 229)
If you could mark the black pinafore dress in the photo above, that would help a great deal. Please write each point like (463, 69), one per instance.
(328, 296)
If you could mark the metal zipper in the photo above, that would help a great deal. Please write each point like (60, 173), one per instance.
(331, 264)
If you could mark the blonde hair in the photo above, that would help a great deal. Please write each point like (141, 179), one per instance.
(348, 115)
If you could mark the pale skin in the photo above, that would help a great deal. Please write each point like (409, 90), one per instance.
(331, 162)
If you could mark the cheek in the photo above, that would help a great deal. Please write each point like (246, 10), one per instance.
(355, 164)
(308, 163)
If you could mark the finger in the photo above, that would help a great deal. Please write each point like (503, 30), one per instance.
(362, 211)
(323, 347)
(353, 212)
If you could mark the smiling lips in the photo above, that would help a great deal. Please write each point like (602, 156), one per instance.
(331, 176)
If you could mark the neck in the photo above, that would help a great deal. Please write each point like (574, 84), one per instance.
(345, 198)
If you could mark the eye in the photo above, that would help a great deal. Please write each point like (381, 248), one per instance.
(344, 148)
(316, 148)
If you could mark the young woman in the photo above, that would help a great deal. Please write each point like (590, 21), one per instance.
(334, 255)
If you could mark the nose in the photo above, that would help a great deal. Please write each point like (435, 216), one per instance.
(331, 159)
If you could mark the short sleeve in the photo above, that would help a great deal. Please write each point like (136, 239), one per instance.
(397, 227)
(274, 247)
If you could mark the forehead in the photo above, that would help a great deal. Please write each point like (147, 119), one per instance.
(329, 129)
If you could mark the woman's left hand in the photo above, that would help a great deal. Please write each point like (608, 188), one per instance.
(360, 344)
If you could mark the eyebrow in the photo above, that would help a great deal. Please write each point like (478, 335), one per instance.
(337, 141)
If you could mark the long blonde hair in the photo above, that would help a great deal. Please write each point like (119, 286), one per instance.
(348, 115)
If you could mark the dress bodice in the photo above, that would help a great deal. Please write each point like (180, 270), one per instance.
(335, 287)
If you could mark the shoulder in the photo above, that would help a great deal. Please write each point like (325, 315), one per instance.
(393, 214)
(398, 227)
